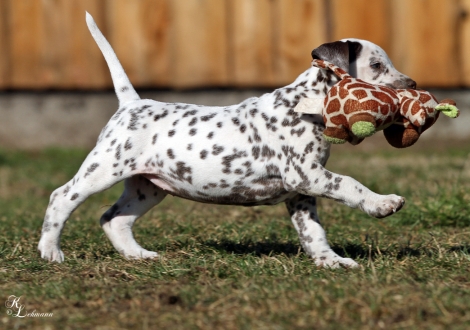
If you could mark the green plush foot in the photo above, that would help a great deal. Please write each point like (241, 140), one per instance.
(333, 139)
(448, 109)
(363, 129)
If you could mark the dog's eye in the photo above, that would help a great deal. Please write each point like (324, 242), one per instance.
(376, 65)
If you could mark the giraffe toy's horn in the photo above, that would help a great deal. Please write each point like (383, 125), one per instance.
(330, 66)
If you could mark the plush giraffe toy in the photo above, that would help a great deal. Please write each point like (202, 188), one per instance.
(354, 110)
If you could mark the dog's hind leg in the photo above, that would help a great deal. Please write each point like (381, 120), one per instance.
(139, 196)
(303, 211)
(92, 177)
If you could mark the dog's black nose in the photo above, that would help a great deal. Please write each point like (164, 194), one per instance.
(411, 83)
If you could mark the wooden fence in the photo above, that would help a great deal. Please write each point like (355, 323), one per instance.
(44, 44)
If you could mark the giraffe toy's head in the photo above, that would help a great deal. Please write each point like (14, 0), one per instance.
(354, 109)
(419, 110)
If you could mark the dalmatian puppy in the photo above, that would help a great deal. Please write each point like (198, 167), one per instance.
(258, 152)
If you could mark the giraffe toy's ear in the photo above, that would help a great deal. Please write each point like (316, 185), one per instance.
(310, 105)
(449, 108)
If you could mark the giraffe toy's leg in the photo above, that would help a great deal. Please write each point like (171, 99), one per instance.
(336, 135)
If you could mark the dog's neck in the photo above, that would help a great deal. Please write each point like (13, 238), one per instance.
(313, 83)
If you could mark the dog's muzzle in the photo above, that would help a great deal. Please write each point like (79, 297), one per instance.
(407, 83)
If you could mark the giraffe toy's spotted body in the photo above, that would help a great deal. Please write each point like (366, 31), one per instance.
(354, 109)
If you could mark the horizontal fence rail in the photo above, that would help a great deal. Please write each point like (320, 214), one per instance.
(45, 44)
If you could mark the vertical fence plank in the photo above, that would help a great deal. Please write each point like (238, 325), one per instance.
(424, 42)
(54, 43)
(199, 43)
(464, 40)
(26, 38)
(4, 45)
(54, 62)
(251, 42)
(83, 65)
(156, 25)
(362, 19)
(139, 32)
(300, 26)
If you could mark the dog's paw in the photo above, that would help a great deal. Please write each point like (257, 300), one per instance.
(347, 263)
(140, 254)
(50, 252)
(383, 206)
(335, 261)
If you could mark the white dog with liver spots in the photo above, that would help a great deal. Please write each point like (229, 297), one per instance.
(258, 152)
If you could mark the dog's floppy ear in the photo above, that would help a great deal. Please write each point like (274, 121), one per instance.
(340, 53)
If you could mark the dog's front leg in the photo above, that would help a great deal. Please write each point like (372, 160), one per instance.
(315, 180)
(318, 181)
(303, 212)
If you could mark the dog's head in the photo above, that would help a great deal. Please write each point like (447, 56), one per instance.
(363, 60)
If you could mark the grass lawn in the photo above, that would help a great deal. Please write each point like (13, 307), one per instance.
(224, 267)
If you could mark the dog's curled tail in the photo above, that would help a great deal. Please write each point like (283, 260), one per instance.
(123, 87)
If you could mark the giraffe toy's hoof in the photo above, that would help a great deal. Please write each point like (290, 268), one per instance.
(334, 140)
(363, 129)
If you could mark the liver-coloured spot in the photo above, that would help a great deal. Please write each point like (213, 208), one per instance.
(333, 106)
(415, 108)
(370, 105)
(424, 98)
(339, 120)
(351, 106)
(343, 93)
(405, 106)
(360, 93)
(383, 97)
(333, 92)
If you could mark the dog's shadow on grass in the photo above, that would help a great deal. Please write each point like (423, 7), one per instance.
(273, 247)
(461, 248)
(350, 250)
(360, 251)
(254, 248)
